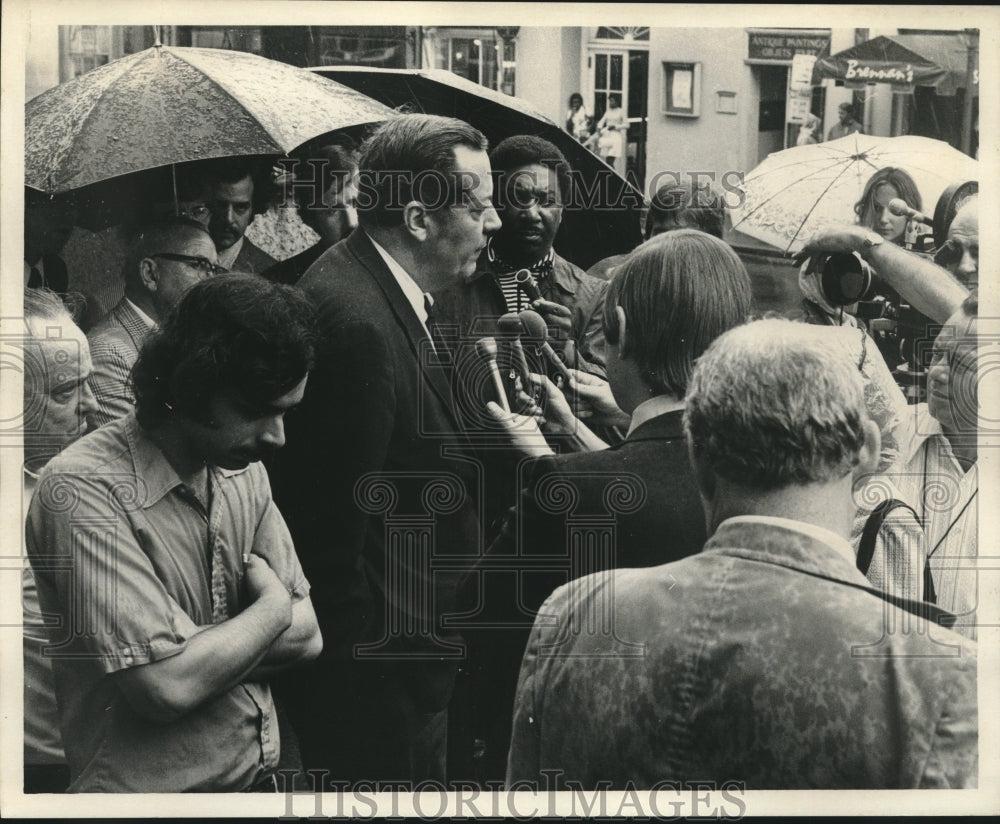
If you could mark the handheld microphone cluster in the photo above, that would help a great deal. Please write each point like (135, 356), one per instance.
(526, 283)
(898, 207)
(505, 355)
(538, 332)
(509, 330)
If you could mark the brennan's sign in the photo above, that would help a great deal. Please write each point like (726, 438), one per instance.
(860, 70)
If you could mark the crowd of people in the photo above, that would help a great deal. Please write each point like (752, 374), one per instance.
(426, 501)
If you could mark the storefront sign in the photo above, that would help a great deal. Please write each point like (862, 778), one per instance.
(859, 70)
(900, 75)
(784, 46)
(802, 68)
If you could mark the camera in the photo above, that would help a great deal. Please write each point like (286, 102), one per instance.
(846, 278)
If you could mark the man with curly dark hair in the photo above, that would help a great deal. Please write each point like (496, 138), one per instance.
(157, 542)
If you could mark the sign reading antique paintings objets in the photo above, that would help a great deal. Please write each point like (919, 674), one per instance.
(781, 45)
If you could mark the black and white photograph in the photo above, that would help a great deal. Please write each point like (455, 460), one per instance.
(499, 410)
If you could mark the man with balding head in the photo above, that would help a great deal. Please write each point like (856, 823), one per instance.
(57, 404)
(960, 254)
(166, 259)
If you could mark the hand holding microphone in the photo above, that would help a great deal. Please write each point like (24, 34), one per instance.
(536, 330)
(597, 403)
(898, 207)
(556, 315)
(558, 418)
(522, 429)
(487, 350)
(509, 331)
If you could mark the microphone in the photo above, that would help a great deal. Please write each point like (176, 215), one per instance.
(486, 348)
(526, 283)
(510, 328)
(898, 207)
(537, 330)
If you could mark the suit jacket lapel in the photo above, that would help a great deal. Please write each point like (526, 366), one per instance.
(362, 248)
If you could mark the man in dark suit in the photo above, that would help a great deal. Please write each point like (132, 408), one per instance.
(377, 495)
(632, 505)
(236, 190)
(767, 659)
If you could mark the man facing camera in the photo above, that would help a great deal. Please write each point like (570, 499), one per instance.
(156, 542)
(236, 190)
(766, 659)
(533, 186)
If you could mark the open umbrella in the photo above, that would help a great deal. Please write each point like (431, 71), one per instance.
(168, 105)
(586, 235)
(799, 191)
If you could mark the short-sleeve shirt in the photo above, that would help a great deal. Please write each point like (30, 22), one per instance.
(133, 564)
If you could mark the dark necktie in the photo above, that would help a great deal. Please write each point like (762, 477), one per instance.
(432, 327)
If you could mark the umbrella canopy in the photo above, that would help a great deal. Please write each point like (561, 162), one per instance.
(170, 105)
(586, 234)
(799, 191)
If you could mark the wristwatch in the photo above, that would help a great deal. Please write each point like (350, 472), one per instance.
(871, 240)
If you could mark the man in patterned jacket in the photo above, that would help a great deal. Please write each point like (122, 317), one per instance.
(767, 659)
(166, 260)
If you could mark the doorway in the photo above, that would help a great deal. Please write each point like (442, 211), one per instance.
(773, 85)
(625, 74)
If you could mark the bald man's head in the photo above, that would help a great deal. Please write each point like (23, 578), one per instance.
(961, 257)
(166, 260)
(57, 365)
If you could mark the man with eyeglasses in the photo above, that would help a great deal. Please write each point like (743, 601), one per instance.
(960, 253)
(166, 259)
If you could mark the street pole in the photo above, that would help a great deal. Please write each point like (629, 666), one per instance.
(972, 60)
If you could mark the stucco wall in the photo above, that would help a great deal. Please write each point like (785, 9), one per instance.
(548, 64)
(713, 142)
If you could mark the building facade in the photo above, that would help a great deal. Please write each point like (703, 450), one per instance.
(698, 101)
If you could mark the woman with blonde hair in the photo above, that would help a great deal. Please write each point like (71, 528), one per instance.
(872, 210)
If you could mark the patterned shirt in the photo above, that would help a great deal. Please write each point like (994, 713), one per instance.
(945, 497)
(133, 564)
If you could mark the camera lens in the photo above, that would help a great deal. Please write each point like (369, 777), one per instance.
(846, 278)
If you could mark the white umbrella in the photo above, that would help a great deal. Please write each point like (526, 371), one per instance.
(799, 191)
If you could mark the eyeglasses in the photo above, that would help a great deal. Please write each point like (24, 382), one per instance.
(202, 264)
